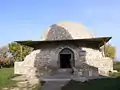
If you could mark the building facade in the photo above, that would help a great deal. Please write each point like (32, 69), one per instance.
(67, 48)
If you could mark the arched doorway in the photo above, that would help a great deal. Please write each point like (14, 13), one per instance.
(66, 58)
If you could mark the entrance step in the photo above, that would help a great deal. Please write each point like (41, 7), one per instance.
(60, 74)
(69, 71)
(64, 70)
(54, 85)
(63, 74)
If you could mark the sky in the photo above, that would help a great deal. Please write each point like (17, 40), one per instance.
(28, 19)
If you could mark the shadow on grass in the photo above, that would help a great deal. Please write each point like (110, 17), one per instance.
(96, 84)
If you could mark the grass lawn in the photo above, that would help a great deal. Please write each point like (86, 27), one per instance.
(98, 84)
(5, 77)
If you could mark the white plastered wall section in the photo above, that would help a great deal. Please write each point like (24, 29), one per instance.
(96, 59)
(26, 66)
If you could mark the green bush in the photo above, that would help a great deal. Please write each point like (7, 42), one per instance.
(116, 66)
(6, 62)
(115, 74)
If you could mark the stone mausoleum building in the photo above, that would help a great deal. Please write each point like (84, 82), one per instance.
(66, 50)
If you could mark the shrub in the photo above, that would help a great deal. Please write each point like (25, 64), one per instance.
(116, 66)
(6, 62)
(115, 74)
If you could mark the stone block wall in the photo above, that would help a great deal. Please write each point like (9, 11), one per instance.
(48, 57)
(85, 70)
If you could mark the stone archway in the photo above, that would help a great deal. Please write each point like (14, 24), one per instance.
(66, 58)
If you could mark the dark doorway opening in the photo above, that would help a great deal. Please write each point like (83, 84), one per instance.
(65, 60)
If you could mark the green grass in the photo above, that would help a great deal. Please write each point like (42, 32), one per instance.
(98, 84)
(5, 77)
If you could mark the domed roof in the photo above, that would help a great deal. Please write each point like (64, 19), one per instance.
(66, 30)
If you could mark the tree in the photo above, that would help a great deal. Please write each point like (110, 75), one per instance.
(3, 51)
(19, 51)
(110, 51)
(6, 62)
(5, 59)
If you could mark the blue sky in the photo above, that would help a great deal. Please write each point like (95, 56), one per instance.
(27, 19)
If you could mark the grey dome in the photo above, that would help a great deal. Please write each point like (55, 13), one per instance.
(66, 30)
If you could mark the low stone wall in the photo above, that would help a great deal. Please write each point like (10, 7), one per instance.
(86, 71)
(104, 65)
(24, 70)
(18, 69)
(26, 66)
(94, 58)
